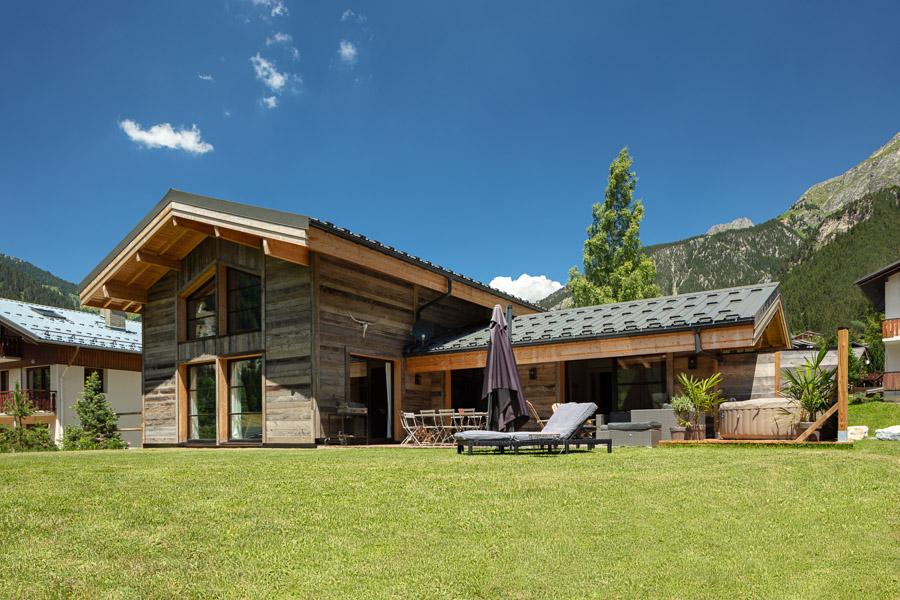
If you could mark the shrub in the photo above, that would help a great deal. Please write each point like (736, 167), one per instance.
(811, 385)
(682, 406)
(21, 437)
(99, 429)
(704, 398)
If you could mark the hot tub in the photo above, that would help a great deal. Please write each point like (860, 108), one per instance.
(761, 419)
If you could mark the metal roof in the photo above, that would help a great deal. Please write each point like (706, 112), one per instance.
(279, 217)
(70, 327)
(713, 308)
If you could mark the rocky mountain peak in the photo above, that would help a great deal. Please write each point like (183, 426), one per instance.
(739, 223)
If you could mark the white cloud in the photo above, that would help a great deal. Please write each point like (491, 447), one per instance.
(279, 38)
(163, 135)
(277, 8)
(268, 73)
(347, 51)
(227, 114)
(295, 54)
(269, 101)
(205, 77)
(349, 15)
(528, 287)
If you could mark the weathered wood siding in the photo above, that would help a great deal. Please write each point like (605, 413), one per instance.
(290, 408)
(344, 289)
(748, 376)
(542, 391)
(160, 347)
(428, 394)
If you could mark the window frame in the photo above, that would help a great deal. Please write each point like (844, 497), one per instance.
(193, 296)
(4, 380)
(189, 388)
(230, 311)
(30, 370)
(262, 400)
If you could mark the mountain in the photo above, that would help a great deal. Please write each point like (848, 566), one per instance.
(837, 231)
(739, 223)
(22, 280)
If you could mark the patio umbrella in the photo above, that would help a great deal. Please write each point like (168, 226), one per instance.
(502, 387)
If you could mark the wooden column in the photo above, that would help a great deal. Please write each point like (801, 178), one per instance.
(182, 400)
(670, 375)
(448, 389)
(778, 374)
(222, 399)
(399, 375)
(842, 382)
(561, 382)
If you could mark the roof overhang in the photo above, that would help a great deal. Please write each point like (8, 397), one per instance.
(181, 221)
(872, 285)
(767, 332)
(177, 225)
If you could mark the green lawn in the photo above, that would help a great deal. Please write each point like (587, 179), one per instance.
(877, 415)
(745, 522)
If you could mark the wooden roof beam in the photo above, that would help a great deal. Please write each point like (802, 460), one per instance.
(158, 260)
(217, 231)
(288, 252)
(124, 293)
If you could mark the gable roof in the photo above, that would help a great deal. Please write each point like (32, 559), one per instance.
(69, 328)
(200, 216)
(715, 308)
(872, 284)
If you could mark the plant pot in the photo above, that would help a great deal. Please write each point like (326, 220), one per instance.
(695, 434)
(803, 426)
(679, 434)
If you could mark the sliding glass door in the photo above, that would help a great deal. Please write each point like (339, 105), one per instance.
(202, 403)
(245, 400)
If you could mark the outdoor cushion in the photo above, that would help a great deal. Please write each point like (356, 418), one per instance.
(636, 426)
(569, 417)
(480, 435)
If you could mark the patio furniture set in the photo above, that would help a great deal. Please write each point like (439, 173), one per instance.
(437, 427)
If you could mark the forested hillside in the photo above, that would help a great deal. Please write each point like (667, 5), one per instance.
(22, 280)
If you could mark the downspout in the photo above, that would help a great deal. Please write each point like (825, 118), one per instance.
(436, 300)
(60, 408)
(698, 346)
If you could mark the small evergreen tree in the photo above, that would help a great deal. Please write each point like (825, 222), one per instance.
(616, 269)
(99, 427)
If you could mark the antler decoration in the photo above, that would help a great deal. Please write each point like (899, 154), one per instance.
(365, 324)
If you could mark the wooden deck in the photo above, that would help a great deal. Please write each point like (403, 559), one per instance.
(717, 442)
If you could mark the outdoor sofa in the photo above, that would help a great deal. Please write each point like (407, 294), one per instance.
(560, 430)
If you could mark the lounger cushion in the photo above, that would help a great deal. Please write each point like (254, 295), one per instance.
(569, 417)
(636, 426)
(480, 435)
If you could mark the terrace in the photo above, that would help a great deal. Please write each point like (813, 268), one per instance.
(44, 401)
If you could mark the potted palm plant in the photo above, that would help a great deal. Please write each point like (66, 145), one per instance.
(705, 399)
(682, 407)
(812, 387)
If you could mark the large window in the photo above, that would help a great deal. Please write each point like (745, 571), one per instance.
(244, 302)
(245, 399)
(202, 402)
(201, 312)
(4, 381)
(641, 383)
(38, 378)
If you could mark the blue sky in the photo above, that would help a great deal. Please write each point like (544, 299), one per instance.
(420, 123)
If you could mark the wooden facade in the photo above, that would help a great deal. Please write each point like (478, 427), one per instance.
(337, 308)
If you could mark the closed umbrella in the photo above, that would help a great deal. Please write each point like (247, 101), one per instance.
(502, 387)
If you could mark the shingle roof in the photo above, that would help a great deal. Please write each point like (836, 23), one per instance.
(70, 327)
(671, 313)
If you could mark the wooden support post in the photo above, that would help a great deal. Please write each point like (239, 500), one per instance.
(670, 376)
(778, 374)
(448, 389)
(842, 382)
(222, 399)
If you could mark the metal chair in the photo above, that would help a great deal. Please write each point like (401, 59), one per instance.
(411, 427)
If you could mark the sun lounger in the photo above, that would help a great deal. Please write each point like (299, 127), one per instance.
(560, 430)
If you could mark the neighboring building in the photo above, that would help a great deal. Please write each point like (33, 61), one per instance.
(883, 290)
(49, 352)
(269, 328)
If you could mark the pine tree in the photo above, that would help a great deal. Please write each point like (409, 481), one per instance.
(616, 269)
(99, 423)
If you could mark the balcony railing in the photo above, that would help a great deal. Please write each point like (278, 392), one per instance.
(891, 381)
(10, 346)
(890, 328)
(43, 400)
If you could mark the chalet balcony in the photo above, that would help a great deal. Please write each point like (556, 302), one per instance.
(10, 347)
(43, 400)
(891, 381)
(890, 328)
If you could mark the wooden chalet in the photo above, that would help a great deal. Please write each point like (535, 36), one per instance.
(266, 327)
